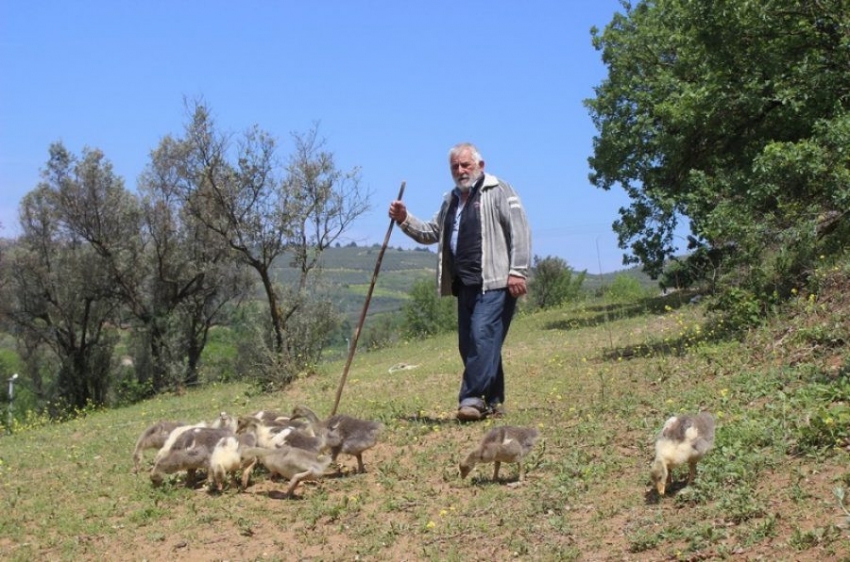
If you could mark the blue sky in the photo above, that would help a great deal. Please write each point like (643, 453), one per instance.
(392, 85)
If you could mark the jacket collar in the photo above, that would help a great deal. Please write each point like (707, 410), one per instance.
(489, 181)
(484, 182)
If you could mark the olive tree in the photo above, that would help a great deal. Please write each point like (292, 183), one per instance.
(266, 210)
(63, 303)
(190, 280)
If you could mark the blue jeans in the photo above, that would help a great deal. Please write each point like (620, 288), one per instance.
(483, 320)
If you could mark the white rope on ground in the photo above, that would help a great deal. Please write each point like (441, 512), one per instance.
(401, 367)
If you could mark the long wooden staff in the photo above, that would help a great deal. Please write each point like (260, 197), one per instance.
(353, 346)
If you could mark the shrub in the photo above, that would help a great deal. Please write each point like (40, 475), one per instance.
(426, 313)
(626, 287)
(552, 283)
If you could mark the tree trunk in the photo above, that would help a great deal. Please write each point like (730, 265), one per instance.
(274, 310)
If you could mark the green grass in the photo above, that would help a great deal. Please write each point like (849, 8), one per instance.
(597, 379)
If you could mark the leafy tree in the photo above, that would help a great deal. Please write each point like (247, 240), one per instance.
(63, 302)
(552, 282)
(702, 267)
(426, 314)
(95, 257)
(264, 212)
(733, 115)
(191, 278)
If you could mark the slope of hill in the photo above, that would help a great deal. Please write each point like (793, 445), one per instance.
(598, 379)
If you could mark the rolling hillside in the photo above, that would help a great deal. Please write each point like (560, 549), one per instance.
(597, 379)
(348, 272)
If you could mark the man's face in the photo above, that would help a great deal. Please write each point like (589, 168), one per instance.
(465, 169)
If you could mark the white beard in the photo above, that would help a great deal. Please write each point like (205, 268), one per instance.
(466, 185)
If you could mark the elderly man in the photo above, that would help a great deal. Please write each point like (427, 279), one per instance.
(483, 259)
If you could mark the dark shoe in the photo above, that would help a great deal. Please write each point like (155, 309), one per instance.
(469, 413)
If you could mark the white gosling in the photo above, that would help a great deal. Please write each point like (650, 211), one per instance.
(683, 439)
(225, 460)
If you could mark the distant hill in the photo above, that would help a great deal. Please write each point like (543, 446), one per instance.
(593, 282)
(348, 271)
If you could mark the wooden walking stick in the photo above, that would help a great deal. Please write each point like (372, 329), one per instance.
(353, 346)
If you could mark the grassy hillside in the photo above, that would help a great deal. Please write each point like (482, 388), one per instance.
(598, 380)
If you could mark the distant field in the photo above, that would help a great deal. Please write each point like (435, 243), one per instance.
(348, 273)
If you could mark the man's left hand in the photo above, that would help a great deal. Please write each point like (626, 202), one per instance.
(516, 286)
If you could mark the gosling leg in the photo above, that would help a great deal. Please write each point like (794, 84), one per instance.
(295, 480)
(246, 473)
(692, 472)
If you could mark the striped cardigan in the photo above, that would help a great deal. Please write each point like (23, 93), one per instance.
(505, 236)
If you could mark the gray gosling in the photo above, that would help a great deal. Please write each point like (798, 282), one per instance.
(156, 436)
(252, 433)
(295, 464)
(502, 444)
(343, 433)
(321, 443)
(225, 421)
(270, 417)
(189, 450)
(191, 460)
(683, 439)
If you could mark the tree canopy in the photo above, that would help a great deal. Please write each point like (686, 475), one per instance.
(732, 115)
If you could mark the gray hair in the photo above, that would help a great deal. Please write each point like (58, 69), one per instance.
(463, 146)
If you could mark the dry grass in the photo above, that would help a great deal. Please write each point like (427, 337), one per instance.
(597, 380)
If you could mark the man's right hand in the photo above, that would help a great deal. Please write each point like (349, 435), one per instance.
(398, 211)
